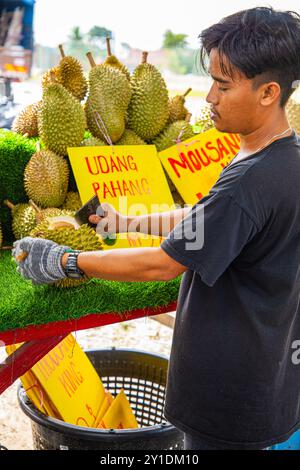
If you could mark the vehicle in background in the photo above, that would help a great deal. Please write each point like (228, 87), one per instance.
(16, 43)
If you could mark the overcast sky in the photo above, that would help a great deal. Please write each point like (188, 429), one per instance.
(140, 23)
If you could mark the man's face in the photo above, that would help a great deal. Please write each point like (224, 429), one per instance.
(234, 103)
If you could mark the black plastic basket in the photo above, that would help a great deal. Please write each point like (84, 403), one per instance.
(143, 377)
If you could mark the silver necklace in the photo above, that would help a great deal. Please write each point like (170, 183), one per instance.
(265, 145)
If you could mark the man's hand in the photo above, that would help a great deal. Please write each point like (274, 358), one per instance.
(43, 263)
(112, 222)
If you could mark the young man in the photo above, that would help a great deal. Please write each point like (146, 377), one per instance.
(234, 378)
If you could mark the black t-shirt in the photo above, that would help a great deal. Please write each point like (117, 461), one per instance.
(232, 379)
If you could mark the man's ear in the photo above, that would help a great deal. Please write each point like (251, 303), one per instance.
(270, 92)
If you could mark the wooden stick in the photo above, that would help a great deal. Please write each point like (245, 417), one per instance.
(144, 57)
(165, 319)
(108, 46)
(62, 52)
(187, 92)
(38, 146)
(91, 59)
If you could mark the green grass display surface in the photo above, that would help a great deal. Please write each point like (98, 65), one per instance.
(23, 304)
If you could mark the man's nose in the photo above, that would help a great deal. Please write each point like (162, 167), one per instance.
(212, 96)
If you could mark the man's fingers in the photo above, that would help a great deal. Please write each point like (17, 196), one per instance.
(94, 219)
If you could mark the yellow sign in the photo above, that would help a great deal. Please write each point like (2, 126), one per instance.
(70, 380)
(130, 178)
(195, 164)
(119, 415)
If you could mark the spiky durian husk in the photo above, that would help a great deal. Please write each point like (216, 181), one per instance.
(108, 100)
(204, 121)
(173, 133)
(1, 236)
(26, 121)
(46, 78)
(293, 115)
(46, 179)
(70, 75)
(148, 111)
(130, 138)
(114, 62)
(24, 220)
(72, 202)
(92, 142)
(61, 119)
(177, 110)
(84, 238)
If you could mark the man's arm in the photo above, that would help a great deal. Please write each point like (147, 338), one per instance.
(128, 264)
(158, 223)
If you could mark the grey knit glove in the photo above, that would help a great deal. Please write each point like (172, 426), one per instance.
(43, 263)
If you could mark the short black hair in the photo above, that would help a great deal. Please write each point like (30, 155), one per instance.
(259, 42)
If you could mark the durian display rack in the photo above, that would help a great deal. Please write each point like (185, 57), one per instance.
(38, 340)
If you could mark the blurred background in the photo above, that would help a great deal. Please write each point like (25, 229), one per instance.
(30, 31)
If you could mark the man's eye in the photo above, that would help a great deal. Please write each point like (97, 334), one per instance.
(223, 89)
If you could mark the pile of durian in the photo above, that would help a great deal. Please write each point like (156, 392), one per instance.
(115, 108)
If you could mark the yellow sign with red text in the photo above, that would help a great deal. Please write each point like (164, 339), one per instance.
(130, 178)
(195, 164)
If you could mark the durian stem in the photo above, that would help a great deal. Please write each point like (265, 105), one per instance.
(144, 57)
(26, 134)
(34, 206)
(188, 117)
(91, 59)
(38, 146)
(62, 52)
(9, 204)
(187, 92)
(108, 46)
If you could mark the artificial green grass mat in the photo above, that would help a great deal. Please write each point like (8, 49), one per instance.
(23, 304)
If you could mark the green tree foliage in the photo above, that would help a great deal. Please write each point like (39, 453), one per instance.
(75, 34)
(172, 40)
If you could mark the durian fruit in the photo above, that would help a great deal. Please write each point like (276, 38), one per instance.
(108, 100)
(204, 122)
(148, 111)
(1, 236)
(293, 115)
(92, 142)
(47, 77)
(72, 202)
(65, 231)
(26, 122)
(43, 214)
(173, 133)
(24, 219)
(46, 179)
(130, 138)
(177, 110)
(70, 74)
(112, 61)
(61, 119)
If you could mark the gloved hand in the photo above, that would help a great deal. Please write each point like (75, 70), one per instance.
(43, 263)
